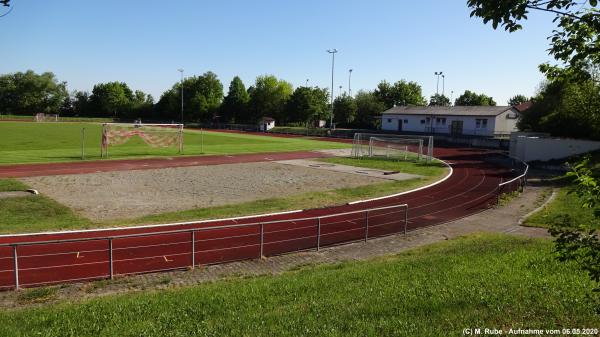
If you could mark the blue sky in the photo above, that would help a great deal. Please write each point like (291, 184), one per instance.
(143, 43)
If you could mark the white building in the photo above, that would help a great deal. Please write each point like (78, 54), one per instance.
(266, 124)
(453, 120)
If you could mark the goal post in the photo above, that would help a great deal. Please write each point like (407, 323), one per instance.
(43, 117)
(361, 143)
(154, 135)
(395, 148)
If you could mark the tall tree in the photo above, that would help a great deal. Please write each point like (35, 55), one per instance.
(268, 97)
(439, 99)
(307, 104)
(344, 110)
(574, 42)
(235, 105)
(517, 99)
(202, 96)
(472, 98)
(368, 109)
(400, 93)
(30, 93)
(111, 99)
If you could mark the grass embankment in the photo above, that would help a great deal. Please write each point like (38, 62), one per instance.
(38, 213)
(564, 204)
(60, 142)
(493, 281)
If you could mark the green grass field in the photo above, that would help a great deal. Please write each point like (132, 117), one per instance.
(23, 142)
(493, 281)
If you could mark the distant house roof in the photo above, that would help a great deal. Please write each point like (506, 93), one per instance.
(480, 110)
(267, 119)
(523, 106)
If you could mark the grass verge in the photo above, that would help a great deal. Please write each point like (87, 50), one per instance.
(495, 281)
(564, 204)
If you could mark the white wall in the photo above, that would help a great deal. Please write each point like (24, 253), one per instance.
(390, 123)
(530, 148)
(506, 122)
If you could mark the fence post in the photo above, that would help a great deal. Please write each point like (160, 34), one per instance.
(110, 258)
(405, 220)
(366, 225)
(16, 266)
(318, 234)
(193, 249)
(262, 240)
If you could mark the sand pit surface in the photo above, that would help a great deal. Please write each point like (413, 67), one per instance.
(129, 194)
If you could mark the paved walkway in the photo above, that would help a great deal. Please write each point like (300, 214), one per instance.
(499, 220)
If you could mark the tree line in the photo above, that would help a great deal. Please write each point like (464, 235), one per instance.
(204, 100)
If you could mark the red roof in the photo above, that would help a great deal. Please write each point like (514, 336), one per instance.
(523, 106)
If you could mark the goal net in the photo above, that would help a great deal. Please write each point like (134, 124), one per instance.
(361, 144)
(394, 148)
(154, 135)
(42, 117)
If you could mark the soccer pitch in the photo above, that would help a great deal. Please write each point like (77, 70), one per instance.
(29, 142)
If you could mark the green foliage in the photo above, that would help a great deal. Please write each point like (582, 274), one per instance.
(517, 99)
(308, 105)
(400, 93)
(12, 185)
(29, 93)
(344, 110)
(469, 98)
(565, 108)
(268, 97)
(491, 281)
(576, 39)
(368, 109)
(580, 242)
(202, 96)
(235, 105)
(565, 204)
(439, 100)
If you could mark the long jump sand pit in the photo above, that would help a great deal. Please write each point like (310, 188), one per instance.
(128, 194)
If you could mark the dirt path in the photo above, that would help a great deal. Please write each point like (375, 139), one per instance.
(503, 219)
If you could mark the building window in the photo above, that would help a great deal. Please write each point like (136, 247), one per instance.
(422, 121)
(406, 121)
(441, 121)
(481, 123)
(389, 120)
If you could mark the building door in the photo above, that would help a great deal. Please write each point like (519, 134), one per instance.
(456, 128)
(399, 125)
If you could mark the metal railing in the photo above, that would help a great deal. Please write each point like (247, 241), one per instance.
(37, 263)
(517, 183)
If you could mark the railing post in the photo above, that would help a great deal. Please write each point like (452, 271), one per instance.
(318, 234)
(193, 249)
(110, 258)
(405, 220)
(262, 240)
(366, 225)
(16, 266)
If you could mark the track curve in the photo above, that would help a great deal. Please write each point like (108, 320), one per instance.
(470, 189)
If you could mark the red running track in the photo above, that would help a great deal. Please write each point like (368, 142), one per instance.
(471, 189)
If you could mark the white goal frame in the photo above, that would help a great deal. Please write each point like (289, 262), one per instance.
(106, 136)
(360, 143)
(390, 146)
(43, 117)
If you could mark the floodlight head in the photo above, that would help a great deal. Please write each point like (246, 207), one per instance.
(332, 51)
(180, 70)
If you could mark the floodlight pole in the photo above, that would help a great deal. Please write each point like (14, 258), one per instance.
(181, 71)
(332, 52)
(349, 82)
(307, 82)
(437, 86)
(443, 84)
